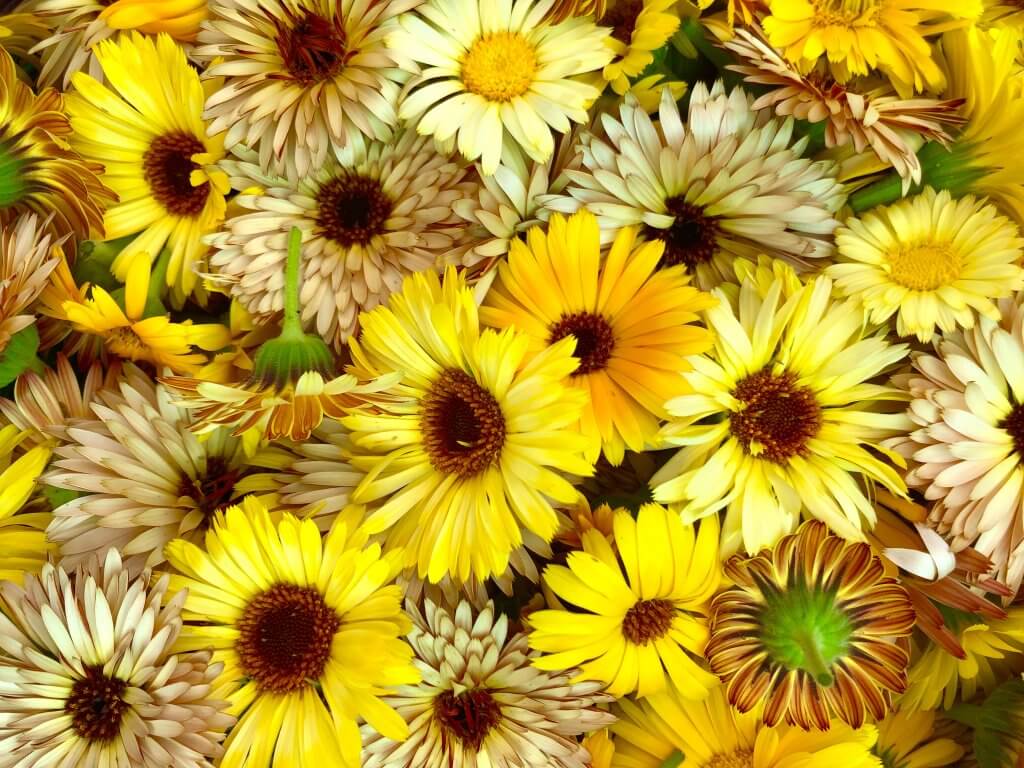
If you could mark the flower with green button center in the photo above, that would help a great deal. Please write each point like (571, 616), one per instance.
(809, 630)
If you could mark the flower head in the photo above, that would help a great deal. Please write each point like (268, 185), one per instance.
(735, 184)
(27, 257)
(481, 702)
(90, 678)
(809, 630)
(497, 74)
(308, 630)
(639, 27)
(634, 326)
(159, 155)
(641, 614)
(24, 547)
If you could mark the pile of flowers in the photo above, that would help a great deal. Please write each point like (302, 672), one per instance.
(511, 383)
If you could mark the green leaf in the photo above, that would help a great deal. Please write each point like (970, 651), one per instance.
(20, 355)
(997, 724)
(95, 259)
(58, 496)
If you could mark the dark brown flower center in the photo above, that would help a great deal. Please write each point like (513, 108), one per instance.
(212, 490)
(285, 637)
(463, 426)
(96, 706)
(1014, 425)
(622, 19)
(691, 238)
(647, 621)
(777, 417)
(167, 166)
(351, 209)
(595, 339)
(468, 716)
(312, 48)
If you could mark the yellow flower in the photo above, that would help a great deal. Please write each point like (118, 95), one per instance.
(473, 448)
(639, 27)
(498, 74)
(906, 739)
(149, 134)
(309, 633)
(640, 622)
(178, 18)
(933, 261)
(23, 545)
(858, 36)
(634, 325)
(130, 335)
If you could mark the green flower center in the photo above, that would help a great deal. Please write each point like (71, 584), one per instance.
(805, 628)
(12, 177)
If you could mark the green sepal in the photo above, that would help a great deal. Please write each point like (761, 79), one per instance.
(674, 760)
(19, 355)
(281, 361)
(57, 497)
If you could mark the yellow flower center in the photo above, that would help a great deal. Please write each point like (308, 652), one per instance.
(500, 67)
(740, 758)
(924, 267)
(843, 12)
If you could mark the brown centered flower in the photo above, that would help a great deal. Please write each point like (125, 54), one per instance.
(809, 630)
(875, 118)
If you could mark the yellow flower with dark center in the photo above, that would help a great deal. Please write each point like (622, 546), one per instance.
(39, 173)
(781, 420)
(639, 27)
(130, 335)
(934, 262)
(309, 632)
(159, 158)
(634, 325)
(858, 36)
(808, 631)
(497, 74)
(472, 449)
(639, 623)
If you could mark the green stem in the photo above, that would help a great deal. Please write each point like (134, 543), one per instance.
(814, 662)
(882, 192)
(674, 760)
(292, 326)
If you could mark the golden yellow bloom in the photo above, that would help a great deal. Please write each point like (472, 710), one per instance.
(858, 36)
(23, 544)
(157, 151)
(640, 619)
(907, 739)
(639, 27)
(130, 335)
(807, 631)
(309, 632)
(634, 325)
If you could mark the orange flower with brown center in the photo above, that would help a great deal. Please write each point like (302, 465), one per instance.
(810, 629)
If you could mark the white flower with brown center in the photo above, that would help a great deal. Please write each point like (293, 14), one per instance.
(87, 677)
(370, 214)
(481, 703)
(301, 76)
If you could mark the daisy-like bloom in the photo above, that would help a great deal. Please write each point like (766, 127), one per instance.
(158, 153)
(27, 257)
(639, 27)
(994, 650)
(966, 444)
(932, 261)
(633, 324)
(875, 118)
(293, 383)
(780, 420)
(309, 632)
(370, 214)
(130, 335)
(497, 74)
(734, 185)
(482, 702)
(88, 677)
(39, 172)
(809, 630)
(509, 202)
(472, 449)
(23, 544)
(907, 739)
(668, 730)
(142, 476)
(301, 76)
(641, 616)
(45, 403)
(78, 25)
(857, 36)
